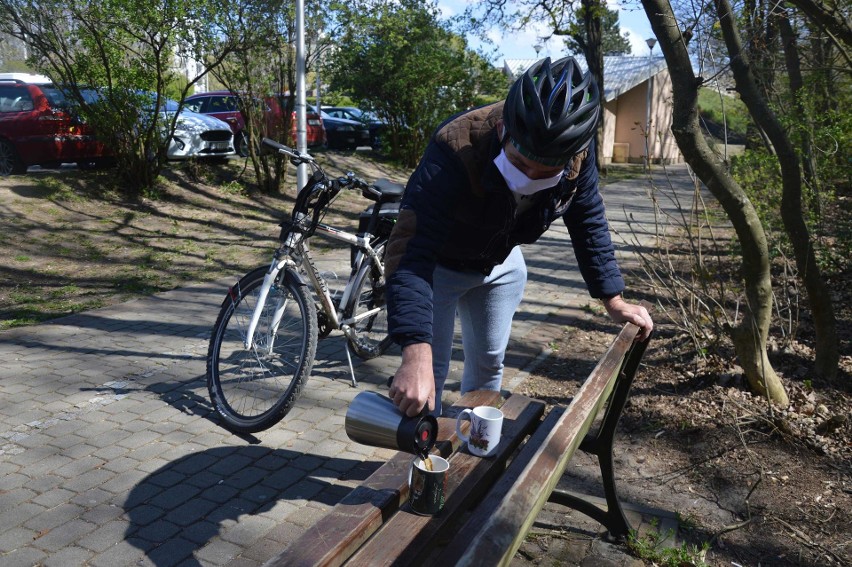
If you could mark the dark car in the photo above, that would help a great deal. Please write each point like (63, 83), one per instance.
(38, 127)
(342, 133)
(373, 123)
(224, 105)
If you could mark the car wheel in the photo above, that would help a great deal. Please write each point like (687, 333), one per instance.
(241, 141)
(9, 161)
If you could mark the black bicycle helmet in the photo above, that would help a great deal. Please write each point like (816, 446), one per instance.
(552, 111)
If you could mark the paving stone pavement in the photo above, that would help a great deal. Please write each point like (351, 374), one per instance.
(111, 455)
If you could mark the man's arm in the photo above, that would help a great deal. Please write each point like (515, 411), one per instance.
(413, 385)
(587, 223)
(416, 240)
(590, 238)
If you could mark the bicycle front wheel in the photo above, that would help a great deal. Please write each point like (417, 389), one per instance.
(253, 389)
(368, 306)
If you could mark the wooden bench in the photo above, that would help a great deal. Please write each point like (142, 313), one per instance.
(491, 503)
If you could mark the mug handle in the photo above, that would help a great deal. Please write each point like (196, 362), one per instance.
(465, 414)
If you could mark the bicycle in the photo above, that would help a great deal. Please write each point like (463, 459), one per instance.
(264, 341)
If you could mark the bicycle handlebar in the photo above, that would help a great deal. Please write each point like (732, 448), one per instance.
(298, 158)
(295, 156)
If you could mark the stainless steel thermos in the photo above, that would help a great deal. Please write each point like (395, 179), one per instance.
(373, 419)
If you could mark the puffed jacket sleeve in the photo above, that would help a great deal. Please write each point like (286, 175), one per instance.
(589, 230)
(417, 238)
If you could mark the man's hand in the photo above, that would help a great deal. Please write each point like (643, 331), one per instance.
(413, 385)
(622, 312)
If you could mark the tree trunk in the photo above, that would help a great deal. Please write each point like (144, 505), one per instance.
(750, 335)
(594, 59)
(827, 356)
(794, 72)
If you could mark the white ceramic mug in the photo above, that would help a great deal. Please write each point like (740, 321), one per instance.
(486, 424)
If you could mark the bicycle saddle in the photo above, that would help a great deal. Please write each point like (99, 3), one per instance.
(389, 189)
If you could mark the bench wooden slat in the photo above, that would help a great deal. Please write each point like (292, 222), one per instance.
(407, 537)
(338, 534)
(499, 524)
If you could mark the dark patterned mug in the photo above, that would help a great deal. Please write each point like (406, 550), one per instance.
(426, 488)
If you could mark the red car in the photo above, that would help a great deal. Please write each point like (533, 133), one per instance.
(224, 105)
(37, 127)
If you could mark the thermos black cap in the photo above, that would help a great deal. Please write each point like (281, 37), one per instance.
(417, 434)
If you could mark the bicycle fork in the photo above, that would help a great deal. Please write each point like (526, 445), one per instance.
(268, 281)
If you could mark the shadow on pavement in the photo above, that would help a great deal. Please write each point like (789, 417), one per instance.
(232, 492)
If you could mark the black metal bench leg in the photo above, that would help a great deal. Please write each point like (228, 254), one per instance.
(600, 444)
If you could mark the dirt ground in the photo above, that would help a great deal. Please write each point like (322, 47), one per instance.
(70, 242)
(759, 486)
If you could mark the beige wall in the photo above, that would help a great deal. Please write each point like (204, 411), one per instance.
(661, 141)
(610, 113)
(624, 124)
(631, 120)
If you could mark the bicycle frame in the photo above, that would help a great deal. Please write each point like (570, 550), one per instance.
(362, 243)
(295, 251)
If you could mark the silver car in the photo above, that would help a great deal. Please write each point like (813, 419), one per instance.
(197, 135)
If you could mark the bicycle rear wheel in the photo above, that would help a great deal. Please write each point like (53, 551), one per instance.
(371, 333)
(252, 390)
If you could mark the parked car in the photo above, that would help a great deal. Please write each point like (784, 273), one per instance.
(376, 125)
(315, 127)
(38, 127)
(225, 106)
(196, 135)
(342, 133)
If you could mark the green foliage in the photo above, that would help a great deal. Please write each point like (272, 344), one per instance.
(121, 48)
(335, 98)
(721, 109)
(264, 68)
(758, 173)
(397, 58)
(830, 130)
(562, 19)
(612, 41)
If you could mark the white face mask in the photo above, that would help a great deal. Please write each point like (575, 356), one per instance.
(517, 180)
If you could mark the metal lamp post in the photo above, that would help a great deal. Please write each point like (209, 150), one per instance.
(651, 42)
(301, 122)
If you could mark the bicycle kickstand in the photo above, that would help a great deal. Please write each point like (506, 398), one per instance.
(351, 368)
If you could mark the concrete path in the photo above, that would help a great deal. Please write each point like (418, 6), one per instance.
(110, 454)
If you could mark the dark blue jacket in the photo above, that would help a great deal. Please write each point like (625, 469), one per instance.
(458, 211)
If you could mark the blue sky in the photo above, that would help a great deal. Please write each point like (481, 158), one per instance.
(519, 45)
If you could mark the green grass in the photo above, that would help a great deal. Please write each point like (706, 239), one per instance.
(621, 172)
(650, 547)
(714, 107)
(58, 190)
(45, 309)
